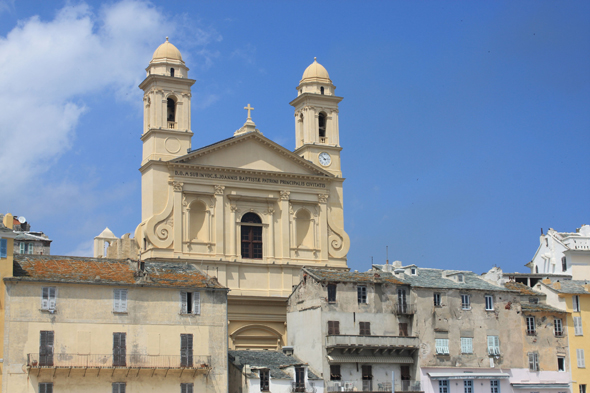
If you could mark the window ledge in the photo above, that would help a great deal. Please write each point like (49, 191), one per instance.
(465, 309)
(188, 315)
(48, 311)
(121, 312)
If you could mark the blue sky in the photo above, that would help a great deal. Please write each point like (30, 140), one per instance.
(465, 125)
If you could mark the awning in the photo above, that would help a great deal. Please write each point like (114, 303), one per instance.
(369, 359)
(468, 375)
(541, 385)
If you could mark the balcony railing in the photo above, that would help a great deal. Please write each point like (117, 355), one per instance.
(404, 309)
(303, 387)
(372, 341)
(323, 139)
(368, 386)
(172, 125)
(67, 360)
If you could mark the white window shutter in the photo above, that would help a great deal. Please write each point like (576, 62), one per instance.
(116, 300)
(51, 298)
(183, 301)
(196, 302)
(580, 356)
(44, 298)
(123, 300)
(578, 326)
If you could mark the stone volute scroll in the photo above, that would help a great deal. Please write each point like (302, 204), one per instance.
(219, 189)
(160, 227)
(285, 195)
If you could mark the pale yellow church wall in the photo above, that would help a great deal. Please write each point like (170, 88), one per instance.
(154, 199)
(84, 324)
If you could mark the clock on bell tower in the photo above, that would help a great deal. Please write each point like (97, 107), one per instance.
(316, 119)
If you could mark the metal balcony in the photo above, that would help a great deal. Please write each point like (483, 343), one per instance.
(369, 386)
(308, 387)
(344, 341)
(128, 361)
(404, 309)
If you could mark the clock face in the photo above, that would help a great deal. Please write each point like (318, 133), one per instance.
(325, 158)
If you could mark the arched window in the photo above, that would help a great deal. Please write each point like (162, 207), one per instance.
(171, 106)
(322, 90)
(304, 229)
(197, 219)
(322, 126)
(251, 236)
(171, 71)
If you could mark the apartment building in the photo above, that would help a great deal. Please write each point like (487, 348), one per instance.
(96, 325)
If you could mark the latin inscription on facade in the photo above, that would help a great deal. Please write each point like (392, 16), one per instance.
(249, 179)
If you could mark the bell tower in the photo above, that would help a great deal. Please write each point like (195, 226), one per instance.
(166, 121)
(316, 119)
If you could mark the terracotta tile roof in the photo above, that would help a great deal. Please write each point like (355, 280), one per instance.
(347, 276)
(81, 270)
(523, 289)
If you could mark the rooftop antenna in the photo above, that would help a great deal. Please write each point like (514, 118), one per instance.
(541, 231)
(371, 260)
(387, 255)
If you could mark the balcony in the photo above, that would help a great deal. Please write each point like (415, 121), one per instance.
(404, 309)
(369, 386)
(128, 361)
(345, 341)
(323, 139)
(172, 125)
(303, 387)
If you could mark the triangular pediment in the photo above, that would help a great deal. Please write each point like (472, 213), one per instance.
(251, 151)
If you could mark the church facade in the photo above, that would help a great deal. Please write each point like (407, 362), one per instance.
(247, 210)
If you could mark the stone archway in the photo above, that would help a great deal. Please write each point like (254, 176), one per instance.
(256, 337)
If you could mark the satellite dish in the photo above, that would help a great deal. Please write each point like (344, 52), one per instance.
(22, 220)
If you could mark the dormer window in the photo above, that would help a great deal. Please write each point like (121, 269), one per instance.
(460, 278)
(322, 90)
(413, 271)
(171, 71)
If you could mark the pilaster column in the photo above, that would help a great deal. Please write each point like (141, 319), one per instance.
(285, 235)
(271, 232)
(232, 231)
(219, 238)
(323, 222)
(177, 187)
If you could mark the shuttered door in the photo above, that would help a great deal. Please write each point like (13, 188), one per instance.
(403, 329)
(186, 350)
(119, 350)
(46, 348)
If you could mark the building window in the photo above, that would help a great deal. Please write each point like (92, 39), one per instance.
(578, 330)
(494, 386)
(333, 327)
(120, 300)
(493, 345)
(46, 387)
(3, 248)
(190, 302)
(413, 271)
(251, 237)
(362, 294)
(331, 293)
(530, 326)
(264, 380)
(322, 126)
(299, 379)
(560, 363)
(465, 302)
(489, 302)
(466, 345)
(534, 300)
(335, 374)
(119, 349)
(558, 327)
(533, 361)
(322, 90)
(46, 348)
(171, 109)
(48, 298)
(365, 328)
(582, 388)
(172, 72)
(118, 387)
(460, 278)
(468, 386)
(402, 301)
(437, 302)
(442, 346)
(403, 329)
(367, 375)
(26, 248)
(581, 359)
(563, 264)
(443, 386)
(187, 388)
(186, 350)
(576, 303)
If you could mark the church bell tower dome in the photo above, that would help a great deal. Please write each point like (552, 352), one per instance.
(316, 73)
(167, 51)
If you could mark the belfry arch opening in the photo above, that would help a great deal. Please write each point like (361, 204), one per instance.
(171, 110)
(322, 126)
(171, 71)
(251, 236)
